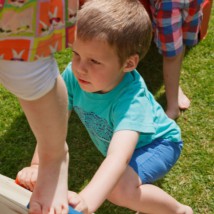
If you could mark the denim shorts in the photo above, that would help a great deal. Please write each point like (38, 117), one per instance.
(154, 160)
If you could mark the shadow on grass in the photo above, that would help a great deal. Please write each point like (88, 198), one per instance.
(151, 69)
(16, 147)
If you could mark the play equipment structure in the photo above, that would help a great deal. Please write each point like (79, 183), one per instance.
(14, 199)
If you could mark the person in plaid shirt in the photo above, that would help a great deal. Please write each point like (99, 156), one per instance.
(176, 25)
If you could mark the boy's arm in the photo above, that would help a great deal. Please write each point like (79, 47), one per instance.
(112, 168)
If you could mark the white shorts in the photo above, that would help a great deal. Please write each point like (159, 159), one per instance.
(29, 80)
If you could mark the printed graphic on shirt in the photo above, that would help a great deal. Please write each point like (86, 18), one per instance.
(97, 127)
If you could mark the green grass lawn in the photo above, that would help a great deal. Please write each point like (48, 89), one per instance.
(191, 181)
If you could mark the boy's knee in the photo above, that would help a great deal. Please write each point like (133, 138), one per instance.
(120, 195)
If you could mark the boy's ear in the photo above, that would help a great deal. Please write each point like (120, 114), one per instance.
(131, 63)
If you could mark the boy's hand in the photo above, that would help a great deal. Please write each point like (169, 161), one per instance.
(77, 202)
(27, 177)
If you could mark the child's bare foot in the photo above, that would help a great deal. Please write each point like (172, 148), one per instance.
(183, 101)
(188, 210)
(173, 113)
(50, 193)
(184, 209)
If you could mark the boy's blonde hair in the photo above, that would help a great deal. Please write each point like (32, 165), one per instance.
(124, 24)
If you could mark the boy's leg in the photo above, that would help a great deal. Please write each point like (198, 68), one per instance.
(145, 198)
(176, 99)
(47, 117)
(147, 165)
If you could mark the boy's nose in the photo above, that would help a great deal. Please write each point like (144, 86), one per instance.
(82, 68)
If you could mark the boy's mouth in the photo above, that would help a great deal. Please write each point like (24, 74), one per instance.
(83, 81)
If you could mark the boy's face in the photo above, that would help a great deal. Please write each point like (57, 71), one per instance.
(96, 65)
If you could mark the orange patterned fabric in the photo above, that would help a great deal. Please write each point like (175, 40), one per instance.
(34, 29)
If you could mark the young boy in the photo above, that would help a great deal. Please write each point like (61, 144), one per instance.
(139, 142)
(176, 25)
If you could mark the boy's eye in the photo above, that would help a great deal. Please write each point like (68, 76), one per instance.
(95, 61)
(75, 53)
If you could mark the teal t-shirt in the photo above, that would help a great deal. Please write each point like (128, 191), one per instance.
(129, 106)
